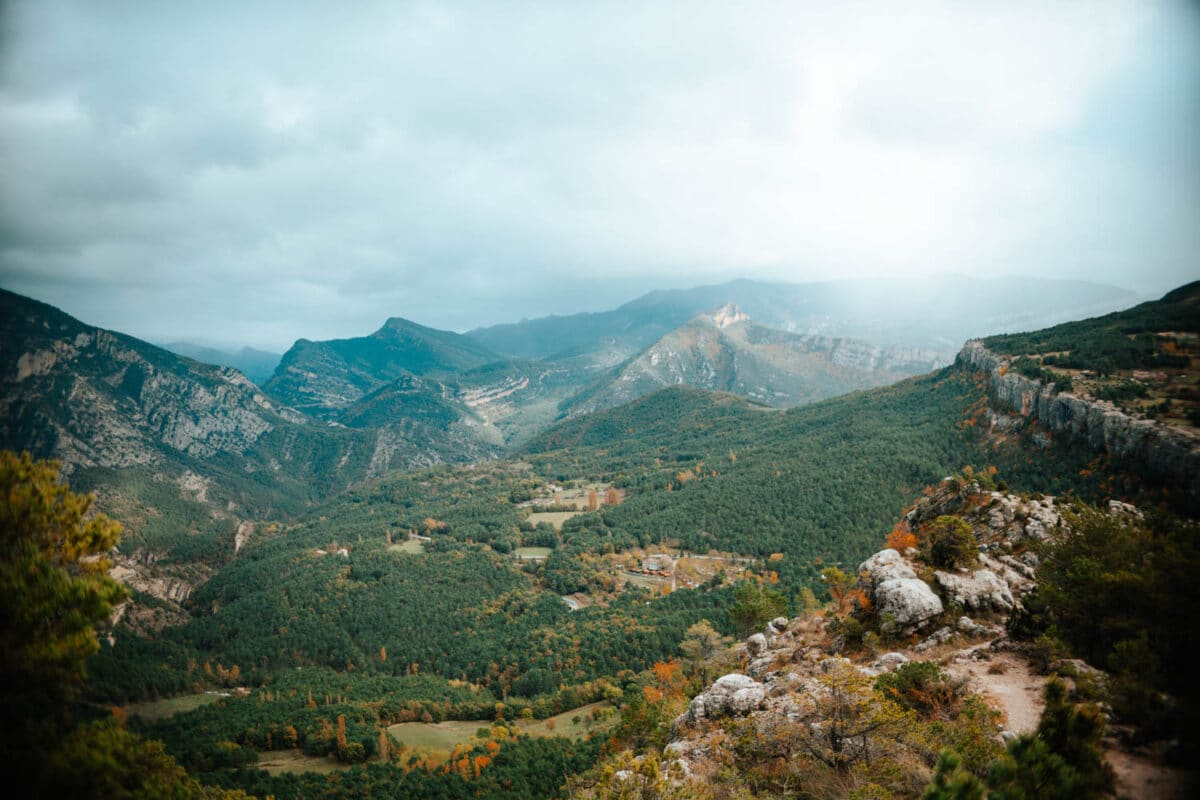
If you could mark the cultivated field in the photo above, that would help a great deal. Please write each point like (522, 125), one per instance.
(278, 761)
(555, 518)
(437, 739)
(408, 546)
(161, 709)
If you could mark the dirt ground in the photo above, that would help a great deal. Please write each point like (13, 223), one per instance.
(1007, 682)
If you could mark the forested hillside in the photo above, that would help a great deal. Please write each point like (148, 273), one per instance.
(517, 592)
(347, 593)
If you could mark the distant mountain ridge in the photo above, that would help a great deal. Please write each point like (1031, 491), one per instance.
(257, 365)
(934, 313)
(322, 377)
(724, 350)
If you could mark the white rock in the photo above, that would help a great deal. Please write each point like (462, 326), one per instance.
(982, 590)
(730, 695)
(886, 565)
(908, 601)
(940, 636)
(890, 662)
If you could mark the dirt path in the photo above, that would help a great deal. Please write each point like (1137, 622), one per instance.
(1006, 681)
(1139, 776)
(1008, 684)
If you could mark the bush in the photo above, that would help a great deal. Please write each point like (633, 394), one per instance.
(949, 542)
(923, 687)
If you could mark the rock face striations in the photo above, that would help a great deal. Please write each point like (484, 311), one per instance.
(1170, 453)
(723, 350)
(97, 400)
(91, 397)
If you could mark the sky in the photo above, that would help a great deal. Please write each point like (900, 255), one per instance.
(250, 173)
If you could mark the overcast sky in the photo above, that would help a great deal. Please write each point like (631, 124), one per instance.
(234, 172)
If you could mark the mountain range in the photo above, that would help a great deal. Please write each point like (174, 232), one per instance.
(160, 432)
(406, 527)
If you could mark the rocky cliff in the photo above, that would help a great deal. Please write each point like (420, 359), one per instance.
(167, 441)
(1169, 452)
(724, 350)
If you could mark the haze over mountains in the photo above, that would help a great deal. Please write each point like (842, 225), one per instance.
(462, 395)
(335, 412)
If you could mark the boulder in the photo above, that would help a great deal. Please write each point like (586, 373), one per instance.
(982, 590)
(756, 644)
(940, 636)
(886, 565)
(760, 668)
(731, 695)
(908, 601)
(890, 662)
(970, 627)
(777, 626)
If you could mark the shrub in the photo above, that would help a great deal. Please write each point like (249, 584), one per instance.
(948, 542)
(923, 687)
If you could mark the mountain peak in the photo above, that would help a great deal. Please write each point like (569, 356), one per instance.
(727, 315)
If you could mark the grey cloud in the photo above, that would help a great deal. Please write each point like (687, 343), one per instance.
(261, 172)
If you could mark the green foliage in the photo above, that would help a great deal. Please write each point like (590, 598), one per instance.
(1030, 368)
(53, 588)
(101, 759)
(702, 648)
(1121, 340)
(1063, 761)
(923, 687)
(949, 543)
(525, 769)
(1121, 593)
(54, 593)
(951, 782)
(754, 605)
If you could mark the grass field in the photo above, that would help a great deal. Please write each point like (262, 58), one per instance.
(532, 552)
(161, 709)
(278, 761)
(555, 518)
(562, 724)
(437, 739)
(408, 546)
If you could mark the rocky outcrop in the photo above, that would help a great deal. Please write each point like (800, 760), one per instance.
(725, 351)
(980, 590)
(907, 601)
(886, 565)
(896, 591)
(731, 695)
(1171, 453)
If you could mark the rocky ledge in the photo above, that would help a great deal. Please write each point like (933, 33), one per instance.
(1171, 453)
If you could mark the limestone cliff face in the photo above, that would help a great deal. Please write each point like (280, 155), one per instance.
(725, 351)
(1171, 453)
(101, 400)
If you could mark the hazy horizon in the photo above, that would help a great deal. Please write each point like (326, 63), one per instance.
(237, 175)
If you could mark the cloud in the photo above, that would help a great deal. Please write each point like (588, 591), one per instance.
(258, 172)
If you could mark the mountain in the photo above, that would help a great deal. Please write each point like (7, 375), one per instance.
(934, 313)
(257, 365)
(320, 378)
(725, 351)
(184, 451)
(407, 369)
(402, 597)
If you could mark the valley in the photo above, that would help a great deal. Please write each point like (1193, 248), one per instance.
(381, 587)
